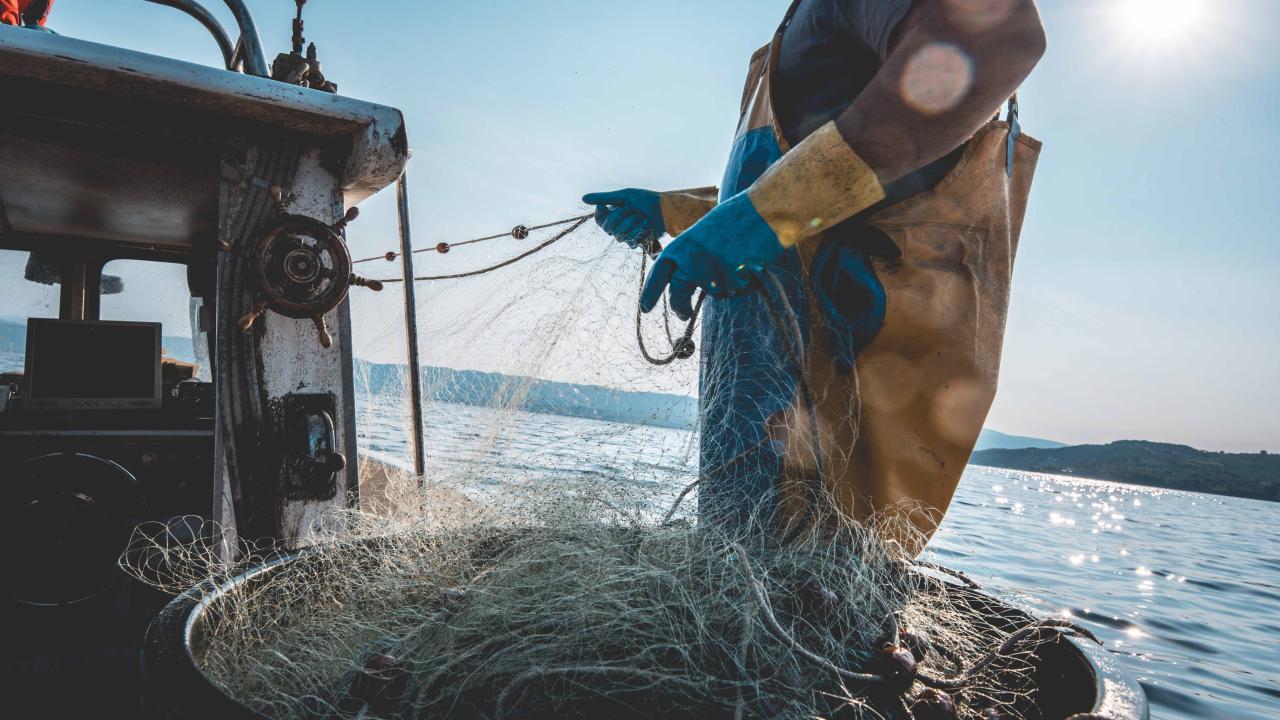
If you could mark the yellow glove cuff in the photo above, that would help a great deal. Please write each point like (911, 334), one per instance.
(682, 208)
(820, 183)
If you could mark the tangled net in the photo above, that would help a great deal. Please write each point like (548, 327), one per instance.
(581, 607)
(563, 574)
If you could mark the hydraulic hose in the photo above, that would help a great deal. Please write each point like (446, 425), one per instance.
(255, 62)
(210, 23)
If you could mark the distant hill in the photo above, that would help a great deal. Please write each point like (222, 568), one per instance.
(1178, 467)
(472, 387)
(13, 336)
(13, 339)
(469, 387)
(994, 439)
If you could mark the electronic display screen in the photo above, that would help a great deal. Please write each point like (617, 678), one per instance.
(92, 364)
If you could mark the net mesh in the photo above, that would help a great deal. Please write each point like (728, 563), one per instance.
(552, 561)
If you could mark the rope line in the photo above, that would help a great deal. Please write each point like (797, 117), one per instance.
(681, 348)
(517, 232)
(577, 223)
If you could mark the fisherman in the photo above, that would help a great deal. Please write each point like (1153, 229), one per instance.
(856, 257)
(25, 13)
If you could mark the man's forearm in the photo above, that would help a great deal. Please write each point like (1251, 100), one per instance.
(682, 208)
(947, 72)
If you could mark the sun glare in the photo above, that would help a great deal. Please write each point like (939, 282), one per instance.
(1161, 23)
(1160, 41)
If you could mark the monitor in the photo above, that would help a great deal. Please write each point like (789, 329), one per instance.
(92, 365)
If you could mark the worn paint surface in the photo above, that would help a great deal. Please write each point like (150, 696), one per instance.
(294, 362)
(375, 134)
(279, 356)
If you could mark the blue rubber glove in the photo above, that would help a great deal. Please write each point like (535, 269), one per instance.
(721, 253)
(849, 294)
(631, 216)
(819, 184)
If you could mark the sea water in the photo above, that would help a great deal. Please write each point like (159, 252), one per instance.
(1183, 587)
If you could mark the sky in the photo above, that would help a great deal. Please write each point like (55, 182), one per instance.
(1145, 301)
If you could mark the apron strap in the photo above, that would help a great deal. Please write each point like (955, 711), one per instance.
(791, 13)
(1014, 131)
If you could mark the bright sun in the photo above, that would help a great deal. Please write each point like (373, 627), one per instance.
(1161, 23)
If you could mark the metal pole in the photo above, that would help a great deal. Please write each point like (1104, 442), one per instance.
(411, 325)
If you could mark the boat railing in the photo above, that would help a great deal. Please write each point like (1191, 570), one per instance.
(246, 54)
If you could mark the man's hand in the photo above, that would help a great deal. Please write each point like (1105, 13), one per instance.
(820, 183)
(631, 216)
(720, 253)
(640, 217)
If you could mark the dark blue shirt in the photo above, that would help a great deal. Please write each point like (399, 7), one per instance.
(830, 51)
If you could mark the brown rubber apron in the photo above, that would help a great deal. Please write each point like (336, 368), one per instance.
(895, 435)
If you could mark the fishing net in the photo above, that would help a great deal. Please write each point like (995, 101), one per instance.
(552, 562)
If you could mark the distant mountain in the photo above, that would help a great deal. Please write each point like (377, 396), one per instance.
(469, 387)
(994, 439)
(1178, 467)
(472, 387)
(13, 336)
(13, 339)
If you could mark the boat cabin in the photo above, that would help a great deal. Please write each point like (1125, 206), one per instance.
(175, 339)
